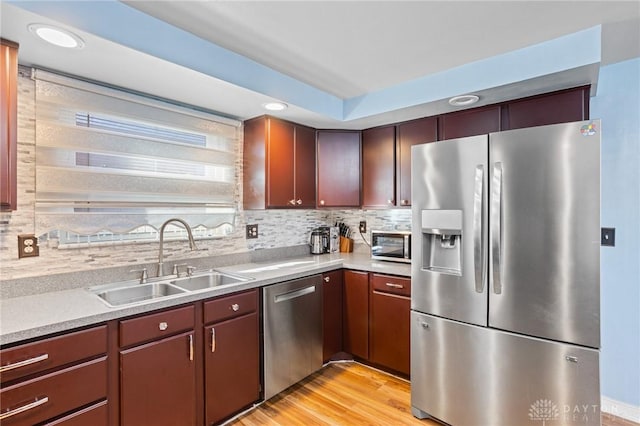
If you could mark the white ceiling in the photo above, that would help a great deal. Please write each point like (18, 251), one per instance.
(345, 49)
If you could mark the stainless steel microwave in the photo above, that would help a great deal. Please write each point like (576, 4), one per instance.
(391, 245)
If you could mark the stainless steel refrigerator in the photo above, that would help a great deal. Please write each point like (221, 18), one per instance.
(505, 321)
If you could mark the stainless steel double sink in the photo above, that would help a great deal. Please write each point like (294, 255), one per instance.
(128, 293)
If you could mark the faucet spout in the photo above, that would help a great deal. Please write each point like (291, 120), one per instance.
(192, 243)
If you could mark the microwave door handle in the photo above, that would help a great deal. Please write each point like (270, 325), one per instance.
(496, 227)
(478, 204)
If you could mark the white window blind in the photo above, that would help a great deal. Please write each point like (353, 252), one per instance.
(109, 160)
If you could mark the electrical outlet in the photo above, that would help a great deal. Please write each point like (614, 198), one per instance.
(27, 246)
(608, 237)
(363, 226)
(252, 231)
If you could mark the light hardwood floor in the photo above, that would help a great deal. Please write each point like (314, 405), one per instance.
(348, 394)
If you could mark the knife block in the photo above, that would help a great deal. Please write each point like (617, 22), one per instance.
(346, 245)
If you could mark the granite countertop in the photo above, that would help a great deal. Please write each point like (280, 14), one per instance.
(32, 316)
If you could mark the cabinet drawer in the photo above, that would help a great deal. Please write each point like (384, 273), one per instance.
(95, 415)
(50, 353)
(155, 326)
(227, 307)
(54, 394)
(389, 284)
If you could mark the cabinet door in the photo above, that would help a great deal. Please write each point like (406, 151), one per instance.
(332, 314)
(280, 168)
(356, 313)
(305, 167)
(390, 332)
(561, 107)
(158, 383)
(378, 167)
(408, 134)
(8, 124)
(338, 168)
(476, 121)
(232, 366)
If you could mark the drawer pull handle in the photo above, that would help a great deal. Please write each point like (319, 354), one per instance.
(191, 347)
(235, 307)
(24, 363)
(392, 285)
(163, 326)
(213, 340)
(327, 279)
(36, 403)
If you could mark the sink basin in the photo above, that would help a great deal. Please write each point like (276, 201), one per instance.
(138, 293)
(210, 280)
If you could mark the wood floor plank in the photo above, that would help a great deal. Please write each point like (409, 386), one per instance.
(348, 394)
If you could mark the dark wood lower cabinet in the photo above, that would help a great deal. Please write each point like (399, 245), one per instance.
(331, 314)
(390, 334)
(158, 383)
(356, 313)
(232, 366)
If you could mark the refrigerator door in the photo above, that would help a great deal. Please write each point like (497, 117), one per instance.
(449, 209)
(545, 232)
(467, 375)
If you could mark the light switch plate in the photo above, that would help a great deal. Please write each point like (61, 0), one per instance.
(27, 246)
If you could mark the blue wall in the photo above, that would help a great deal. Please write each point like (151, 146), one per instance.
(617, 103)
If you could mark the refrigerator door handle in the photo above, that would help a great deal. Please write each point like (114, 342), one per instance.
(478, 258)
(496, 227)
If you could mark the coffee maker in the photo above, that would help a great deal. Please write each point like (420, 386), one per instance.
(324, 239)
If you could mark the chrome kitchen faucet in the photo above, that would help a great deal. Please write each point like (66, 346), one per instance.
(192, 243)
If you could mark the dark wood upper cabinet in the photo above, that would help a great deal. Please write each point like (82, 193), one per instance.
(470, 122)
(379, 167)
(305, 167)
(279, 164)
(410, 133)
(8, 124)
(338, 154)
(558, 107)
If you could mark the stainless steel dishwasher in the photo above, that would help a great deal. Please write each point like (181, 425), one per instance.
(292, 332)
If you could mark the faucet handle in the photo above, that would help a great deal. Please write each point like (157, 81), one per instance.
(190, 270)
(144, 276)
(175, 268)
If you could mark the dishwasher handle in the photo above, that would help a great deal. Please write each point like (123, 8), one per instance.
(294, 294)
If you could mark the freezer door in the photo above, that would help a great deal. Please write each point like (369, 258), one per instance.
(545, 232)
(448, 242)
(467, 375)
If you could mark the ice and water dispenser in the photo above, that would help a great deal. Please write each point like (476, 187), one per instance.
(442, 241)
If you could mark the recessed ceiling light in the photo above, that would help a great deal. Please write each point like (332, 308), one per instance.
(57, 36)
(464, 100)
(275, 106)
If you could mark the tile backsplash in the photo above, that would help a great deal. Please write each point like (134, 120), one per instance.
(277, 228)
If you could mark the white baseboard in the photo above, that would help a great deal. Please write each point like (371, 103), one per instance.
(621, 409)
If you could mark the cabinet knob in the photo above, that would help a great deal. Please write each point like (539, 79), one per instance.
(299, 202)
(322, 202)
(235, 307)
(327, 279)
(292, 202)
(405, 202)
(163, 326)
(391, 201)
